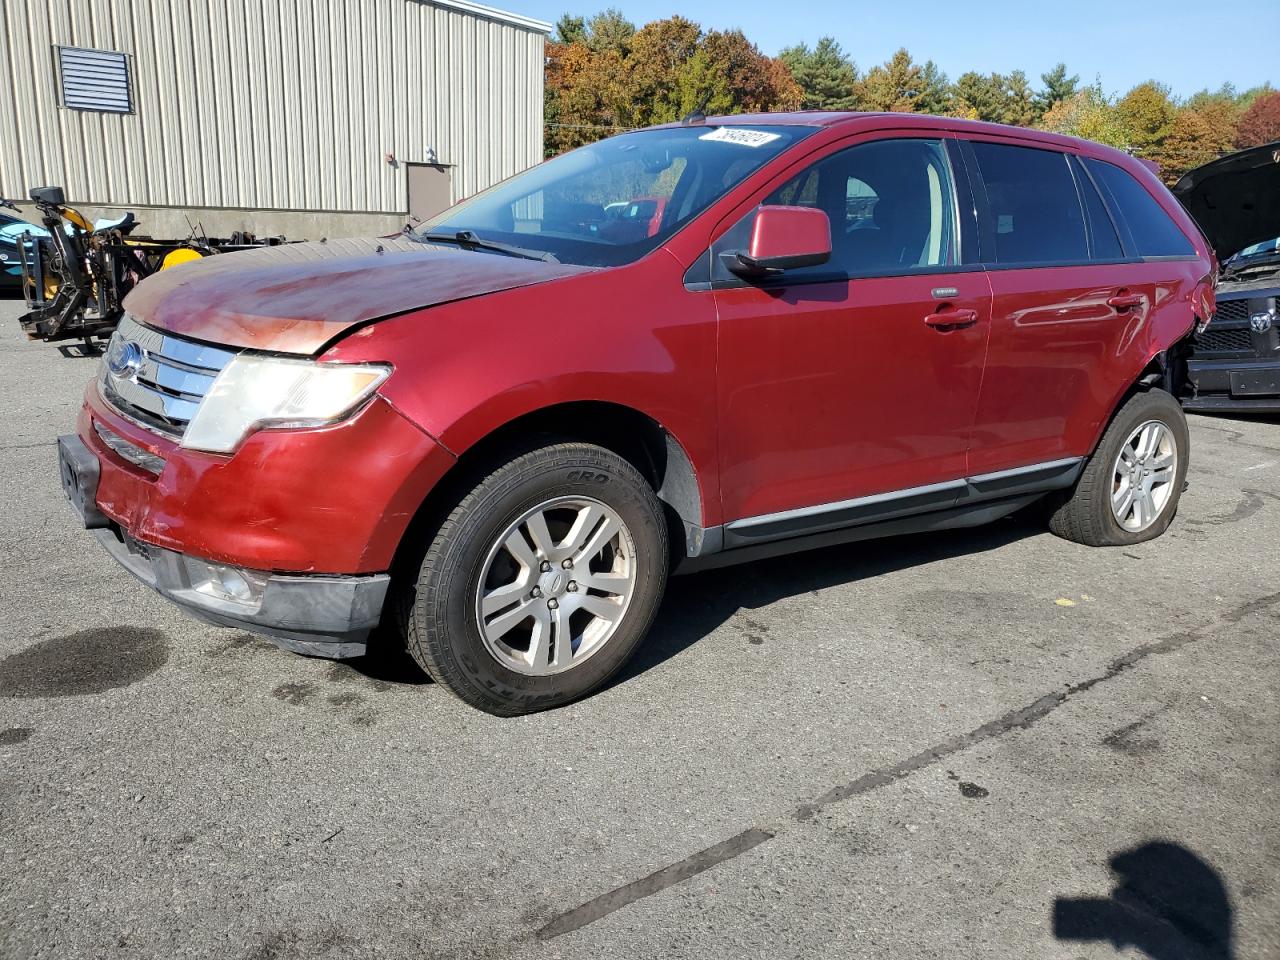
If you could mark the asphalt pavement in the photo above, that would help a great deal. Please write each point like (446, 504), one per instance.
(986, 743)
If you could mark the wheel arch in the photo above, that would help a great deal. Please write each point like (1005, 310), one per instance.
(635, 436)
(1166, 369)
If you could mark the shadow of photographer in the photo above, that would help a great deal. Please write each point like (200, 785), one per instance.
(1167, 902)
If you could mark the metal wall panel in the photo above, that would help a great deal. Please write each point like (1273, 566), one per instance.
(270, 104)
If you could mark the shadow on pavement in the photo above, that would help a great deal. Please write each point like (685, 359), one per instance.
(697, 604)
(1168, 903)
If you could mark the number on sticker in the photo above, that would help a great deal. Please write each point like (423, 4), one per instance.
(741, 136)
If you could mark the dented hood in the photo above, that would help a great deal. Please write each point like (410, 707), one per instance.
(295, 298)
(1235, 199)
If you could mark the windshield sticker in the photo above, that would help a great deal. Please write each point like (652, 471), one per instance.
(742, 137)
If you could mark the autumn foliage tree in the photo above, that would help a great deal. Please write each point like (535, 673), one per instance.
(605, 75)
(1261, 122)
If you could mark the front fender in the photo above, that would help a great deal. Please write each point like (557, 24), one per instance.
(630, 336)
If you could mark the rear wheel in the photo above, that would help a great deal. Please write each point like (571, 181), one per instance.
(541, 582)
(1129, 489)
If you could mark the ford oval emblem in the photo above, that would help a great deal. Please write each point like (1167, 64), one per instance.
(124, 359)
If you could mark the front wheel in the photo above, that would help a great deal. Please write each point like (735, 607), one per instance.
(541, 582)
(1129, 489)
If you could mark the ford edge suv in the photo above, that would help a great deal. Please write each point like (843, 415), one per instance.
(494, 436)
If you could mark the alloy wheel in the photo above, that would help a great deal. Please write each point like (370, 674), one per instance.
(555, 585)
(1143, 476)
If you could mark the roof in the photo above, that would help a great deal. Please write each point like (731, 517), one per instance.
(493, 13)
(878, 121)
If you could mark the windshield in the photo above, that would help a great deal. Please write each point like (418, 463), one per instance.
(1258, 249)
(613, 201)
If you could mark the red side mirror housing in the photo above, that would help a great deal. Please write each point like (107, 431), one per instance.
(783, 238)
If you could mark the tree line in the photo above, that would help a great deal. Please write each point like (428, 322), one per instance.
(605, 75)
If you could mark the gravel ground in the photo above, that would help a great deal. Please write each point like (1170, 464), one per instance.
(989, 743)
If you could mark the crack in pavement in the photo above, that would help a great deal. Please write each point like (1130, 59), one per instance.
(1019, 719)
(1236, 437)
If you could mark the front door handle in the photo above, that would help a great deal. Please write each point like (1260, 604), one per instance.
(947, 320)
(1126, 301)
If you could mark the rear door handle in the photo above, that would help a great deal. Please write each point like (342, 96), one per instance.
(946, 320)
(1126, 301)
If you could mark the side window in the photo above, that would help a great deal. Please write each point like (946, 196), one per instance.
(1104, 243)
(1154, 233)
(891, 208)
(1035, 210)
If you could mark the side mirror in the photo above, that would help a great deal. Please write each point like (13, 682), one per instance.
(783, 238)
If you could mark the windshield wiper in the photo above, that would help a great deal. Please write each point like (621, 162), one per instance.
(469, 240)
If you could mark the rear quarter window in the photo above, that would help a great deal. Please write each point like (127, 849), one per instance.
(1153, 232)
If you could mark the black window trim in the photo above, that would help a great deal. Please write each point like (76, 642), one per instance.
(1085, 181)
(968, 238)
(696, 277)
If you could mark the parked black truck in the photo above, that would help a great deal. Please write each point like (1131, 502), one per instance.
(1235, 364)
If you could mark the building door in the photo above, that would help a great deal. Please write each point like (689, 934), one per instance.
(430, 190)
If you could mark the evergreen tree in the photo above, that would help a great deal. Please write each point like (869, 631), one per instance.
(893, 86)
(981, 97)
(610, 30)
(1019, 108)
(571, 29)
(935, 91)
(1057, 87)
(826, 75)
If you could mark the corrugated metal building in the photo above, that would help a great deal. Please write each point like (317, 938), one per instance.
(303, 117)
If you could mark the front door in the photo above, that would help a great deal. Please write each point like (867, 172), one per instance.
(858, 377)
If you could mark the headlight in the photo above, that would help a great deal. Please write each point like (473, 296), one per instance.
(257, 393)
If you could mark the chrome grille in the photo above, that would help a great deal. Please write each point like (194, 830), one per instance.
(134, 454)
(160, 386)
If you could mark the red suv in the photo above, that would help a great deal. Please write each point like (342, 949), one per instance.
(498, 434)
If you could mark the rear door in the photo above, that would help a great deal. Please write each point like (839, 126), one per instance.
(1066, 302)
(843, 380)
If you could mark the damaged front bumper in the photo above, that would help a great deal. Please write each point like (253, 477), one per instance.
(324, 616)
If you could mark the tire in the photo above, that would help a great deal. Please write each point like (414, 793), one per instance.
(1087, 515)
(474, 560)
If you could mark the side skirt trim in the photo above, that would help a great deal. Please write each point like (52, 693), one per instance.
(968, 515)
(1034, 479)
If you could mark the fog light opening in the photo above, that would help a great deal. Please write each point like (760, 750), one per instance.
(232, 584)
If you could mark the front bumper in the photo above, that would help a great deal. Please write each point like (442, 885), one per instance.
(334, 500)
(326, 616)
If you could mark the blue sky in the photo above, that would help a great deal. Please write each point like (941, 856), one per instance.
(1178, 42)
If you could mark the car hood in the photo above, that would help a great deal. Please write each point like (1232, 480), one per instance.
(1235, 199)
(295, 298)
